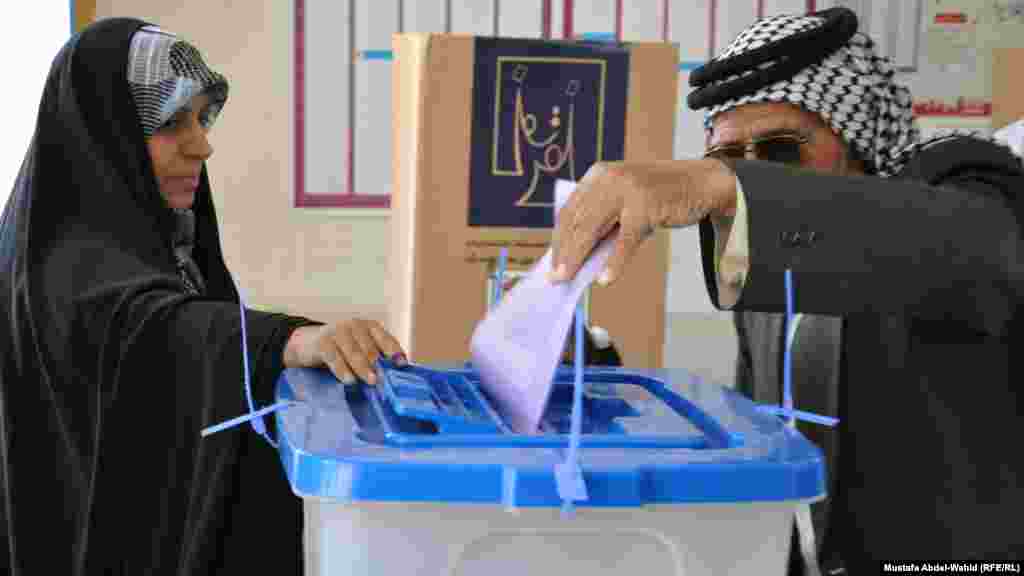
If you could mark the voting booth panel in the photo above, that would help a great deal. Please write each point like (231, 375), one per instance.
(482, 128)
(1007, 87)
(1008, 98)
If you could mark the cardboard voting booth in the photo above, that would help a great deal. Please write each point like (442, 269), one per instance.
(1007, 87)
(483, 127)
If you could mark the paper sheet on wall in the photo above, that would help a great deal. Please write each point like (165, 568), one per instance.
(517, 346)
(953, 79)
(951, 33)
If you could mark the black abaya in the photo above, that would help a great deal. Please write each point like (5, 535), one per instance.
(110, 367)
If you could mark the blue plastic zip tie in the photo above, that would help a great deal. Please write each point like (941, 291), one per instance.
(247, 417)
(257, 424)
(254, 417)
(800, 415)
(499, 276)
(805, 527)
(792, 321)
(577, 387)
(787, 367)
(568, 474)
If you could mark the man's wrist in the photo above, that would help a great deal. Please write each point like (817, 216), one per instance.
(721, 182)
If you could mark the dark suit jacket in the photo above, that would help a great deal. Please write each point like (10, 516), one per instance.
(915, 287)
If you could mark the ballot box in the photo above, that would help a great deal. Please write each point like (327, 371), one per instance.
(418, 475)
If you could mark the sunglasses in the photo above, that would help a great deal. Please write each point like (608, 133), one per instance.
(780, 148)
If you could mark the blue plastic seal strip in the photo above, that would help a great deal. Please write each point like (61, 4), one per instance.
(254, 417)
(786, 410)
(499, 276)
(568, 474)
(787, 367)
(247, 417)
(800, 415)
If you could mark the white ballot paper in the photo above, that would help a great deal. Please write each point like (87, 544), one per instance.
(517, 346)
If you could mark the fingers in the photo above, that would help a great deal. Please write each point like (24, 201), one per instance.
(387, 344)
(626, 242)
(565, 221)
(351, 350)
(343, 354)
(590, 216)
(332, 357)
(364, 351)
(561, 231)
(557, 246)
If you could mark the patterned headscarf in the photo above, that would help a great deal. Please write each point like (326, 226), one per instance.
(164, 74)
(850, 87)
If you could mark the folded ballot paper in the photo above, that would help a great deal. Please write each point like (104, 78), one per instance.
(517, 346)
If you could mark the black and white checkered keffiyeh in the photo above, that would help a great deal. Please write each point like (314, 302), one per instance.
(164, 74)
(852, 89)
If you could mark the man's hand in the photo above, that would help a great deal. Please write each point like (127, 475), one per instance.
(349, 349)
(629, 201)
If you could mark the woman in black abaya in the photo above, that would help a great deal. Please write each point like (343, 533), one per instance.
(122, 333)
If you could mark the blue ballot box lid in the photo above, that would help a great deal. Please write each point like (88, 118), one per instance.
(428, 434)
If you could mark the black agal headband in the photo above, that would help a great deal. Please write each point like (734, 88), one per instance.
(758, 59)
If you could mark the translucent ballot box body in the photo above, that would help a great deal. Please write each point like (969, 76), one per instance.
(418, 475)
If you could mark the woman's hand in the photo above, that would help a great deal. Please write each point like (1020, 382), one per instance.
(629, 201)
(349, 349)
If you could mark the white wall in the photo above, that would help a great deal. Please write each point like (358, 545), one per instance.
(28, 43)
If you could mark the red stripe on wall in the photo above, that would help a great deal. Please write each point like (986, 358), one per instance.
(712, 26)
(664, 20)
(567, 12)
(618, 20)
(351, 172)
(812, 6)
(546, 18)
(300, 99)
(760, 9)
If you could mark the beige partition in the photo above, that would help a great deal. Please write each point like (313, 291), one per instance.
(85, 13)
(1007, 86)
(451, 208)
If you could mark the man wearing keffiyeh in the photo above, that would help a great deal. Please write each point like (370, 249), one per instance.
(908, 262)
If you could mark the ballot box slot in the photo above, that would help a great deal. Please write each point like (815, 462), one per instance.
(414, 407)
